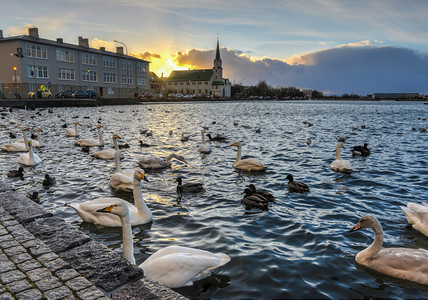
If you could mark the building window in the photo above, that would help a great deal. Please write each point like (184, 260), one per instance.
(31, 87)
(65, 74)
(141, 80)
(89, 76)
(206, 82)
(37, 51)
(89, 59)
(141, 66)
(126, 64)
(37, 71)
(109, 78)
(127, 79)
(64, 55)
(109, 62)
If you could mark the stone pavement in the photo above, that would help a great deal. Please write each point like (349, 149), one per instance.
(43, 257)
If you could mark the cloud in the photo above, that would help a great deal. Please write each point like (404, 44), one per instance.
(147, 55)
(359, 68)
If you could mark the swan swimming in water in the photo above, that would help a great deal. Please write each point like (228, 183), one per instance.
(29, 159)
(121, 180)
(108, 153)
(204, 148)
(405, 263)
(91, 142)
(173, 266)
(72, 132)
(417, 216)
(340, 165)
(39, 142)
(247, 164)
(139, 214)
(18, 146)
(152, 162)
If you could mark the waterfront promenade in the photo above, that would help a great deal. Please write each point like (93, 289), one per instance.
(43, 257)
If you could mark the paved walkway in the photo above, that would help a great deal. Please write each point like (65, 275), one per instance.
(43, 257)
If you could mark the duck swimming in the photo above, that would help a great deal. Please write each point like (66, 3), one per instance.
(361, 150)
(192, 187)
(49, 180)
(251, 200)
(263, 193)
(296, 186)
(16, 173)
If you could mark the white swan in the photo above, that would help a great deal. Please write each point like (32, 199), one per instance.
(405, 263)
(92, 142)
(140, 213)
(204, 148)
(121, 180)
(173, 266)
(152, 162)
(341, 165)
(29, 159)
(417, 216)
(247, 164)
(18, 146)
(108, 153)
(39, 142)
(72, 132)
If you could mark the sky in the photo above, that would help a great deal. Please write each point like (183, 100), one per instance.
(333, 46)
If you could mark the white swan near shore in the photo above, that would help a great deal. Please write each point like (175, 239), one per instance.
(29, 159)
(121, 180)
(173, 266)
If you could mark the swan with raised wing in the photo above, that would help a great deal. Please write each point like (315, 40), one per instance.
(139, 214)
(153, 162)
(173, 266)
(72, 132)
(341, 165)
(247, 164)
(29, 159)
(405, 263)
(417, 216)
(91, 142)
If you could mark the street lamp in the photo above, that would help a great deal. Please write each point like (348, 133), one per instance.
(127, 61)
(16, 86)
(89, 81)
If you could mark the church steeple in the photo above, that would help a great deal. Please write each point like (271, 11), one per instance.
(218, 69)
(217, 53)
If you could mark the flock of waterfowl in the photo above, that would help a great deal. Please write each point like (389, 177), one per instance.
(177, 266)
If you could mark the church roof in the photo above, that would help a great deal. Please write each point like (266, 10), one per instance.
(191, 75)
(217, 52)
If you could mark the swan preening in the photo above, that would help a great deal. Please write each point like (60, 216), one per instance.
(152, 162)
(121, 180)
(19, 146)
(139, 214)
(341, 165)
(173, 266)
(91, 142)
(405, 263)
(108, 153)
(29, 159)
(417, 216)
(72, 132)
(247, 164)
(204, 148)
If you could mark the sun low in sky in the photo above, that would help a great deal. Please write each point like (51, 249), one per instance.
(335, 46)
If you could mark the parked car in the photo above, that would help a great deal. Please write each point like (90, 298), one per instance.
(84, 94)
(40, 94)
(64, 94)
(146, 96)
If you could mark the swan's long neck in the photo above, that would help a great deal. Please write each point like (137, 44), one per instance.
(203, 136)
(128, 245)
(238, 156)
(337, 152)
(31, 154)
(100, 137)
(168, 159)
(25, 138)
(116, 147)
(374, 248)
(117, 161)
(138, 198)
(39, 138)
(75, 129)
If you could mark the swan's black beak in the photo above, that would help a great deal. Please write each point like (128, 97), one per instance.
(356, 227)
(143, 176)
(106, 209)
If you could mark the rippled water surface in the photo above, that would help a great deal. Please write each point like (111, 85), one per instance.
(300, 247)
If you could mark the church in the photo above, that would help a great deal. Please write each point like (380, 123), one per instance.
(202, 83)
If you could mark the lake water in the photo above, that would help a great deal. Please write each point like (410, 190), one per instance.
(300, 247)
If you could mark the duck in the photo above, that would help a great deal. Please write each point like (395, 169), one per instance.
(72, 132)
(184, 138)
(341, 138)
(153, 162)
(417, 216)
(404, 263)
(340, 165)
(173, 266)
(296, 186)
(91, 142)
(308, 141)
(142, 144)
(29, 159)
(34, 196)
(263, 193)
(121, 180)
(108, 153)
(217, 138)
(248, 164)
(139, 214)
(16, 173)
(193, 187)
(204, 148)
(49, 180)
(18, 146)
(251, 200)
(361, 150)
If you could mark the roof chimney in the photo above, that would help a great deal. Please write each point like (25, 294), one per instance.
(83, 42)
(103, 48)
(59, 40)
(1, 34)
(119, 50)
(33, 32)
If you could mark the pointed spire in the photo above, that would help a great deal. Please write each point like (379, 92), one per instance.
(217, 54)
